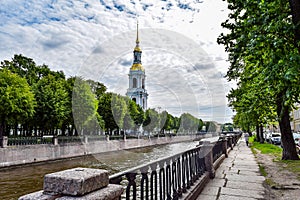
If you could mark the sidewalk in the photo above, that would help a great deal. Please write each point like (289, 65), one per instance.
(238, 177)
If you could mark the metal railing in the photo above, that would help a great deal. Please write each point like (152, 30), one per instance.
(217, 150)
(170, 177)
(166, 178)
(14, 141)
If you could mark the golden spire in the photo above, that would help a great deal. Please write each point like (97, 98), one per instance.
(137, 63)
(137, 46)
(137, 32)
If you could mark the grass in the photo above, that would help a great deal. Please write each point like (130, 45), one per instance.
(271, 183)
(263, 170)
(292, 165)
(276, 152)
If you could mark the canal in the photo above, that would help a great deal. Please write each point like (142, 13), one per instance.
(15, 182)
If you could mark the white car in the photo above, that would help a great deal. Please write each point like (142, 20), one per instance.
(275, 138)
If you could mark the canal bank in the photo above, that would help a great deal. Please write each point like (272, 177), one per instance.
(18, 155)
(24, 179)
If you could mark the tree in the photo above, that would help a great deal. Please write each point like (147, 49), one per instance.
(119, 109)
(105, 110)
(264, 57)
(27, 68)
(137, 114)
(97, 88)
(162, 121)
(295, 11)
(169, 123)
(17, 101)
(52, 100)
(151, 120)
(189, 123)
(84, 108)
(210, 127)
(200, 125)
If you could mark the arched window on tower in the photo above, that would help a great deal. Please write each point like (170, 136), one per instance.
(144, 103)
(134, 82)
(143, 83)
(134, 99)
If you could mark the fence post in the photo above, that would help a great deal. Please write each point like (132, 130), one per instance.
(86, 139)
(224, 146)
(208, 157)
(230, 138)
(3, 141)
(55, 140)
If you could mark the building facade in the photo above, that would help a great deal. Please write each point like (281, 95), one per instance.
(137, 77)
(295, 119)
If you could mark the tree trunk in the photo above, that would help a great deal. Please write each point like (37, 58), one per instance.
(257, 133)
(295, 8)
(2, 125)
(287, 140)
(261, 131)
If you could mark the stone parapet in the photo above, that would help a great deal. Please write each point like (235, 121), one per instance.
(79, 184)
(75, 182)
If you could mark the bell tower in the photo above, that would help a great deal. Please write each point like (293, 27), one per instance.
(137, 90)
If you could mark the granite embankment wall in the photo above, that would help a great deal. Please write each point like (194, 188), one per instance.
(17, 155)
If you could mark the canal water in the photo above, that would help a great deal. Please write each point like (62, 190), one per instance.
(15, 182)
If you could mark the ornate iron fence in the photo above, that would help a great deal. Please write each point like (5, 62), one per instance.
(217, 150)
(166, 178)
(170, 177)
(13, 141)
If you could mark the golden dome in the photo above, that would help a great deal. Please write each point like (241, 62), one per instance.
(137, 66)
(137, 48)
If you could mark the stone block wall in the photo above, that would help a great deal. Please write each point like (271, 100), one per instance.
(77, 184)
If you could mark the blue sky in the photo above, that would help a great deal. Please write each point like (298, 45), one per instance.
(95, 38)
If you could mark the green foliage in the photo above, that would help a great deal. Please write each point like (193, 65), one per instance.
(84, 107)
(42, 101)
(210, 127)
(105, 110)
(188, 123)
(151, 120)
(227, 127)
(264, 61)
(52, 100)
(17, 101)
(119, 109)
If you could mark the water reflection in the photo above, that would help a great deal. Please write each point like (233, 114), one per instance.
(26, 179)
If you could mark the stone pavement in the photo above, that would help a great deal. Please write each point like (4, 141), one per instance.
(237, 178)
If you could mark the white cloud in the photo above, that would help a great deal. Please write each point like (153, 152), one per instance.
(64, 35)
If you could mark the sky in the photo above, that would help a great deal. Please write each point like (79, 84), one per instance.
(184, 65)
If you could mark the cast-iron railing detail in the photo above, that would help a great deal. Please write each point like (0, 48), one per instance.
(217, 150)
(166, 178)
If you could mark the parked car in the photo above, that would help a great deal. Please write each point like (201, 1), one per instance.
(275, 138)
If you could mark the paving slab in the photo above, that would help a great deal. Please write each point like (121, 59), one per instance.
(227, 197)
(216, 182)
(206, 197)
(211, 191)
(252, 168)
(245, 178)
(245, 185)
(242, 193)
(244, 172)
